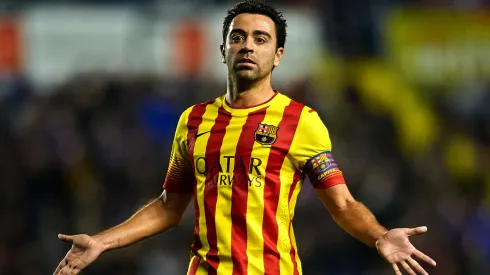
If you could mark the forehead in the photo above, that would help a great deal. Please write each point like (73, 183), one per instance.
(253, 22)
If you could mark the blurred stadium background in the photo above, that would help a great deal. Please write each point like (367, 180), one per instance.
(90, 93)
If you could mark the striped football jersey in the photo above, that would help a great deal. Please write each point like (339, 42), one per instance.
(245, 167)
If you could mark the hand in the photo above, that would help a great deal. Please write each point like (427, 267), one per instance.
(84, 251)
(395, 248)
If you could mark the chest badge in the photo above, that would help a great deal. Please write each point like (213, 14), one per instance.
(266, 134)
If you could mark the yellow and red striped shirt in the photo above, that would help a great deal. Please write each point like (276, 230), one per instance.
(245, 167)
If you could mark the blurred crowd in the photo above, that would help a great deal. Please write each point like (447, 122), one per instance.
(83, 155)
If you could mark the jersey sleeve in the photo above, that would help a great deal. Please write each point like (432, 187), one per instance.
(313, 153)
(180, 177)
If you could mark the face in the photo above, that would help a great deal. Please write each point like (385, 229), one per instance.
(250, 49)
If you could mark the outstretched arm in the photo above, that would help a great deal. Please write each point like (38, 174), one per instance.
(350, 214)
(166, 211)
(393, 245)
(158, 216)
(312, 153)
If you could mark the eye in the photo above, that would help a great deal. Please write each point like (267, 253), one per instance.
(261, 40)
(236, 38)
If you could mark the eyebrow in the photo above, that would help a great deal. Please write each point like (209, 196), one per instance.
(256, 32)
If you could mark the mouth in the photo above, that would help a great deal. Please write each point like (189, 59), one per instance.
(245, 61)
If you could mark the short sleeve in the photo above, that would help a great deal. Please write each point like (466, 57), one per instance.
(313, 151)
(180, 177)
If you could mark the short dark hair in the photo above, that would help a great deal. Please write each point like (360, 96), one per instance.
(257, 7)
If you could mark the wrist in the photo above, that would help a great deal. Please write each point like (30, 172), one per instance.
(380, 236)
(105, 246)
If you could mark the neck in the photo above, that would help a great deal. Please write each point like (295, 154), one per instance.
(246, 94)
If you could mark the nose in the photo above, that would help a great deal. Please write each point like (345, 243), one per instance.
(247, 45)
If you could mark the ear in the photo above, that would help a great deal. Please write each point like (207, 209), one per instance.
(222, 50)
(278, 56)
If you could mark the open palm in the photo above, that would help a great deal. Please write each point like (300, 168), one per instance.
(84, 251)
(395, 248)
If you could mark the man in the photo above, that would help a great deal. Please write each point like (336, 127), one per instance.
(243, 158)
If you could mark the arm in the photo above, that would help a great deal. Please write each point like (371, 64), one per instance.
(313, 156)
(158, 216)
(350, 214)
(393, 245)
(164, 212)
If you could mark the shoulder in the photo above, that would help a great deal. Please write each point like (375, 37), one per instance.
(287, 101)
(307, 114)
(197, 110)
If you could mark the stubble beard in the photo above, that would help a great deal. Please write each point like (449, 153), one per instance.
(246, 76)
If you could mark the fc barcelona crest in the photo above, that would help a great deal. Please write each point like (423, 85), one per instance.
(266, 134)
(321, 163)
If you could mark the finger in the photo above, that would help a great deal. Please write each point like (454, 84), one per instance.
(423, 257)
(416, 230)
(71, 270)
(76, 271)
(78, 264)
(57, 270)
(66, 270)
(65, 238)
(396, 269)
(417, 266)
(60, 266)
(407, 268)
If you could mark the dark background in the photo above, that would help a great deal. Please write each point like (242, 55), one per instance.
(82, 153)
